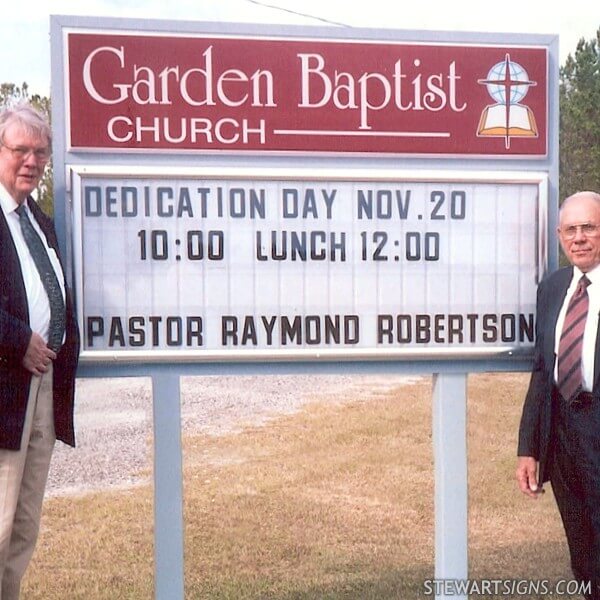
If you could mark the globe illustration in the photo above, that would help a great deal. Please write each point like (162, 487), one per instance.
(516, 74)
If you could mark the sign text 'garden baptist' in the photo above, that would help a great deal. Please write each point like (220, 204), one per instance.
(214, 93)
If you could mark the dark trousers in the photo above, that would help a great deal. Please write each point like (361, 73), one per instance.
(575, 478)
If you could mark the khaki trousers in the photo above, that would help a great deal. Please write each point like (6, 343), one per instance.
(23, 476)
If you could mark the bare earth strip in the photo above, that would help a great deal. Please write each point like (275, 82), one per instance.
(114, 419)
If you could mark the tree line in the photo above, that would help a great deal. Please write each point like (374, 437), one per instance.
(10, 94)
(580, 119)
(579, 155)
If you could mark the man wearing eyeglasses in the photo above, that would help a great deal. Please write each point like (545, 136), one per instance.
(39, 342)
(559, 435)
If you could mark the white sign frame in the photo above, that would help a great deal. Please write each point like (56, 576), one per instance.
(79, 173)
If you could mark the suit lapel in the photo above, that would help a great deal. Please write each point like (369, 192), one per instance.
(597, 360)
(556, 293)
(13, 296)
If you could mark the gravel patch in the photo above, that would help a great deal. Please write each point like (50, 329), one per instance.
(113, 419)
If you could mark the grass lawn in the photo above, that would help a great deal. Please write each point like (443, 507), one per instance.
(334, 502)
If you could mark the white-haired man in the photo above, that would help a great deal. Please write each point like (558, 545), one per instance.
(559, 436)
(39, 342)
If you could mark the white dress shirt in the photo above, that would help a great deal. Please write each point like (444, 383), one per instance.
(37, 298)
(591, 325)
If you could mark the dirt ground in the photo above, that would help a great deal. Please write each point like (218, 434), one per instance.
(113, 419)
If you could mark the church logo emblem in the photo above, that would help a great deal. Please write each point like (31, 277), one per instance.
(507, 83)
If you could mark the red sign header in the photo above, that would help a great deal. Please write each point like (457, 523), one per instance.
(287, 95)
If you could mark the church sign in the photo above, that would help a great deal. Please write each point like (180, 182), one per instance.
(244, 198)
(278, 195)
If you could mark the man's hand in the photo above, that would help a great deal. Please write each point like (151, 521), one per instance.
(527, 476)
(38, 356)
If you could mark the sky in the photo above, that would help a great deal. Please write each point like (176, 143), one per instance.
(25, 24)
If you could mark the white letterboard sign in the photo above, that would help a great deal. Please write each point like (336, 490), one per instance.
(247, 264)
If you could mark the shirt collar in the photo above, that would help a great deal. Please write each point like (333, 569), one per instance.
(7, 202)
(593, 275)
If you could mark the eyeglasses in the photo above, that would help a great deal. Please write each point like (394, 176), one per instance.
(22, 152)
(586, 229)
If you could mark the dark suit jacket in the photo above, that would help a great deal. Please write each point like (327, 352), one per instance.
(14, 339)
(536, 422)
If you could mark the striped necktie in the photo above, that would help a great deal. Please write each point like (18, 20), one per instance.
(571, 342)
(42, 262)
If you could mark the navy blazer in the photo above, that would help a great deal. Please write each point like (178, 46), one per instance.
(15, 334)
(536, 421)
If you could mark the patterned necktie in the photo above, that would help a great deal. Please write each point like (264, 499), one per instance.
(42, 262)
(571, 342)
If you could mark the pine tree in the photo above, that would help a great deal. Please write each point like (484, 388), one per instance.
(580, 119)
